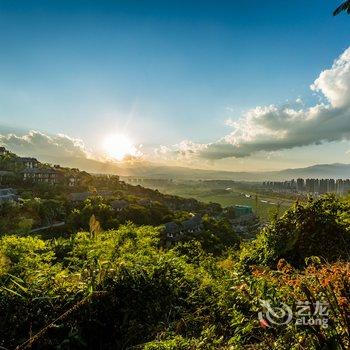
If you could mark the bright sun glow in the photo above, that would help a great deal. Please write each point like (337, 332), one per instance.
(119, 146)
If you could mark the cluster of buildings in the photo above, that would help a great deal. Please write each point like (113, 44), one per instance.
(30, 169)
(315, 186)
(42, 175)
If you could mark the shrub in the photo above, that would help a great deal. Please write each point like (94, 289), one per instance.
(315, 228)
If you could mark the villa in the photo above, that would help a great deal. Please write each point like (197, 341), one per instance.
(190, 226)
(44, 175)
(26, 162)
(118, 205)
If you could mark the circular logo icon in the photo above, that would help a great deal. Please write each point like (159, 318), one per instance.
(274, 315)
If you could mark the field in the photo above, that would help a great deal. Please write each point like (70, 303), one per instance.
(263, 204)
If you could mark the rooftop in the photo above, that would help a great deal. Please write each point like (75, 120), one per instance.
(26, 159)
(119, 204)
(39, 171)
(7, 191)
(79, 196)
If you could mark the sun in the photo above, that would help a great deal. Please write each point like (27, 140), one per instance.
(118, 146)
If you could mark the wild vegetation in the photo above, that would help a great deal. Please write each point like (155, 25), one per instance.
(122, 289)
(112, 278)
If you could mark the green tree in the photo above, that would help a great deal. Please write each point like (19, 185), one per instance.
(315, 228)
(345, 6)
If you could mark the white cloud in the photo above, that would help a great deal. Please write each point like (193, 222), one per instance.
(38, 144)
(273, 128)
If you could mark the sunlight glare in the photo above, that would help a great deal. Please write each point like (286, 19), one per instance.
(118, 146)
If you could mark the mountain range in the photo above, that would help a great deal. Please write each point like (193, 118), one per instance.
(153, 170)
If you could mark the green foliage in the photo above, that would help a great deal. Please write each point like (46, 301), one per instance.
(218, 235)
(120, 289)
(20, 218)
(25, 255)
(315, 228)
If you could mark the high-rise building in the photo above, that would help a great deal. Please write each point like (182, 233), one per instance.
(300, 185)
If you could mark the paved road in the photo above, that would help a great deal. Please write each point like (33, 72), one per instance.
(50, 226)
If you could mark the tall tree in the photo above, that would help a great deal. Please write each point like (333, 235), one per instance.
(345, 6)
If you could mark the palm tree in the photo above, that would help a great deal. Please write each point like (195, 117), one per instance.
(345, 6)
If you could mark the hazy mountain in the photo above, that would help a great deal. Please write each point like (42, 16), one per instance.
(151, 170)
(336, 170)
(315, 171)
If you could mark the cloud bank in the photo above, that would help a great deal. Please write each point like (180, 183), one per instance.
(273, 128)
(41, 145)
(62, 149)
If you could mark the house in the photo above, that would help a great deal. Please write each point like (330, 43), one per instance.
(4, 175)
(171, 229)
(105, 193)
(118, 205)
(243, 215)
(7, 195)
(27, 162)
(42, 175)
(73, 181)
(79, 196)
(242, 210)
(192, 225)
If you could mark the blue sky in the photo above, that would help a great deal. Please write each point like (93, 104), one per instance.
(160, 71)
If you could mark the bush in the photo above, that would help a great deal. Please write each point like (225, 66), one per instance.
(315, 228)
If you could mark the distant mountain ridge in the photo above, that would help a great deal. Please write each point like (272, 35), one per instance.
(151, 170)
(156, 171)
(336, 170)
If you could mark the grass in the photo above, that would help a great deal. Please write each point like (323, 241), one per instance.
(263, 205)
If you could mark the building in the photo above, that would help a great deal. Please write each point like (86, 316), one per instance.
(6, 175)
(192, 225)
(175, 231)
(73, 181)
(8, 195)
(26, 162)
(323, 188)
(331, 185)
(342, 186)
(312, 185)
(118, 205)
(79, 196)
(171, 229)
(42, 175)
(242, 210)
(300, 185)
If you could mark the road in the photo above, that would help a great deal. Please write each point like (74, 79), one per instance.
(58, 224)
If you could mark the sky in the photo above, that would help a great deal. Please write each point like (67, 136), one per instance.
(211, 84)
